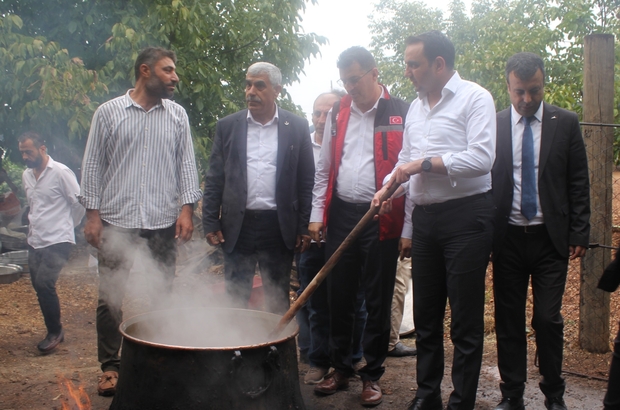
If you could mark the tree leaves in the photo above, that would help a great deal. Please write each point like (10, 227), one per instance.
(215, 42)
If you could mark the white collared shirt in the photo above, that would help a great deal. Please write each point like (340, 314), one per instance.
(356, 180)
(262, 159)
(316, 149)
(461, 130)
(517, 158)
(54, 207)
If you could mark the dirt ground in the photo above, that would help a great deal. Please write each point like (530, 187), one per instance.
(32, 381)
(29, 380)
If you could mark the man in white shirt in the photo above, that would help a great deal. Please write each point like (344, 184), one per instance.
(313, 318)
(314, 336)
(447, 156)
(51, 189)
(258, 191)
(361, 141)
(541, 192)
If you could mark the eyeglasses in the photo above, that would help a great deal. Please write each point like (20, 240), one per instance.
(353, 80)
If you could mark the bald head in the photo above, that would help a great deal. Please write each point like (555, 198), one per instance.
(322, 105)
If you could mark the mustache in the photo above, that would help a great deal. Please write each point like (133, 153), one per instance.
(253, 98)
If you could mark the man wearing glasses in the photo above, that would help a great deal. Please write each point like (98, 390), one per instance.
(361, 142)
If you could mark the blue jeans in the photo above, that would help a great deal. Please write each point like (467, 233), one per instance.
(45, 266)
(313, 318)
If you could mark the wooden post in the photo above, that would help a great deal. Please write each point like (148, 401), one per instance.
(598, 107)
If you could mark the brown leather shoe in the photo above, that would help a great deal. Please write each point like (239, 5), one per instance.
(332, 383)
(371, 393)
(107, 383)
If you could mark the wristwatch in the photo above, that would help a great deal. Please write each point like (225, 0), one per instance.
(427, 165)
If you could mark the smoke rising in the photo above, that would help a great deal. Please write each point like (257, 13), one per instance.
(190, 309)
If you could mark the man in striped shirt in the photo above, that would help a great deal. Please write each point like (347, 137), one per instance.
(138, 168)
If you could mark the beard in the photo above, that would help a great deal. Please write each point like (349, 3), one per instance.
(157, 88)
(35, 163)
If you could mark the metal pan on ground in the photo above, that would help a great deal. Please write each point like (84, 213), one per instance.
(9, 273)
(16, 258)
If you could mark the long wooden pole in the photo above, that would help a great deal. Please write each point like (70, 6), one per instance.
(329, 265)
(598, 107)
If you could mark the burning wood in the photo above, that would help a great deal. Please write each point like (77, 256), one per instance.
(75, 396)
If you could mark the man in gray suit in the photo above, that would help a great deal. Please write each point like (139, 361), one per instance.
(541, 193)
(258, 191)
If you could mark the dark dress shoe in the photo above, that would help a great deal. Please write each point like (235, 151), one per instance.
(400, 350)
(332, 383)
(51, 341)
(427, 403)
(511, 403)
(371, 393)
(555, 403)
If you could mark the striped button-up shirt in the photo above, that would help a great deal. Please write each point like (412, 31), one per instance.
(139, 166)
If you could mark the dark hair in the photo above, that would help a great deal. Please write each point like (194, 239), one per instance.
(36, 139)
(150, 56)
(525, 65)
(356, 54)
(436, 44)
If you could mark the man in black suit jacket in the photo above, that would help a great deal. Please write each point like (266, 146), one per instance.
(258, 191)
(541, 192)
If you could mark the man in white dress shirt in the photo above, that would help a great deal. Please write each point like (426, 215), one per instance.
(447, 156)
(542, 198)
(258, 191)
(51, 189)
(362, 138)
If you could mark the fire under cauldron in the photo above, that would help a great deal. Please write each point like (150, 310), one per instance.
(207, 358)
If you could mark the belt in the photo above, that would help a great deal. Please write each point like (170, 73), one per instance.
(529, 229)
(351, 207)
(260, 213)
(452, 203)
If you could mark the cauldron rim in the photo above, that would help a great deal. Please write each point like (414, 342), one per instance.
(135, 319)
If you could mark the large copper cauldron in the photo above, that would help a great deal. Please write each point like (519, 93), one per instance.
(207, 358)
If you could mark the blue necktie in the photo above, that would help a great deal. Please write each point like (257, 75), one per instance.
(528, 173)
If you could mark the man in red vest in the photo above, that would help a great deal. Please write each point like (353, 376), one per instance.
(361, 142)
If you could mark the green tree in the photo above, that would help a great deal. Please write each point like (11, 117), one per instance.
(215, 43)
(393, 21)
(496, 29)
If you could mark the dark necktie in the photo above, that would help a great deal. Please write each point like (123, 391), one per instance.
(528, 174)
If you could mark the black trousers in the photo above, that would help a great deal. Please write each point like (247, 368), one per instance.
(260, 242)
(612, 397)
(451, 245)
(117, 251)
(524, 256)
(45, 266)
(369, 263)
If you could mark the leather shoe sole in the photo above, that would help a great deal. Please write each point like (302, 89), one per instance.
(332, 383)
(50, 342)
(555, 403)
(426, 403)
(400, 350)
(511, 403)
(371, 393)
(107, 383)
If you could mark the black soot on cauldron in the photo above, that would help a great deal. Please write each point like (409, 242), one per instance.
(207, 358)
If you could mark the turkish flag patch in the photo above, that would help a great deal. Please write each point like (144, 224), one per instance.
(396, 119)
